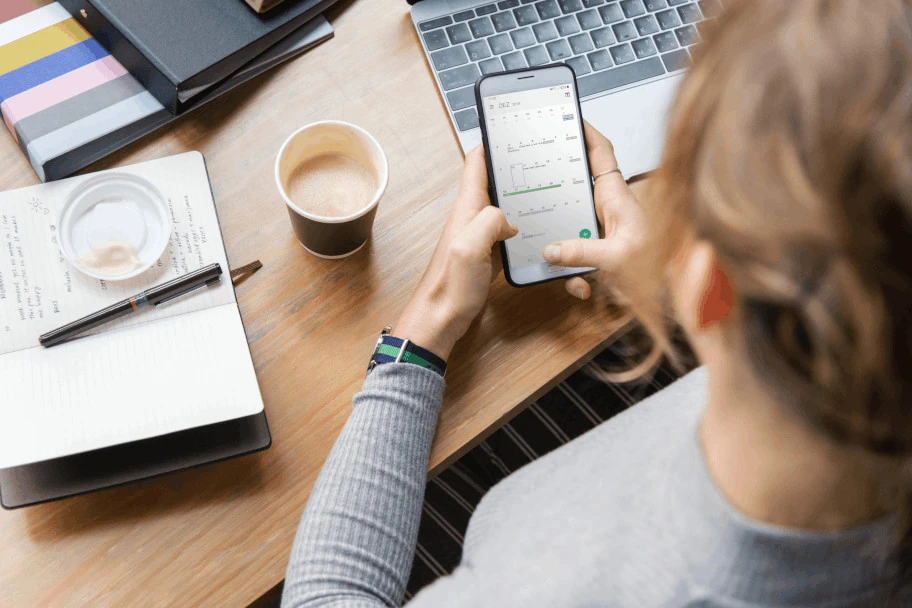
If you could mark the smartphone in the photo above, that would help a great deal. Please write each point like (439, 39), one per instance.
(538, 169)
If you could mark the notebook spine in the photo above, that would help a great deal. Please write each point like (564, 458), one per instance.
(111, 36)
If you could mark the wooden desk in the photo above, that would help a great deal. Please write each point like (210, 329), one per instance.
(220, 535)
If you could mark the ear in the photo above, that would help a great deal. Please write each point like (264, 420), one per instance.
(703, 295)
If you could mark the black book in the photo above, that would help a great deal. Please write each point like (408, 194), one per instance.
(179, 49)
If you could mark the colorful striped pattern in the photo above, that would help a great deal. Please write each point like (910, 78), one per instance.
(59, 89)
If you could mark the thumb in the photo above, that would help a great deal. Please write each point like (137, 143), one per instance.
(579, 252)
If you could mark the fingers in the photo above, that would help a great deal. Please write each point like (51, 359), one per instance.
(488, 227)
(593, 253)
(601, 152)
(473, 189)
(578, 287)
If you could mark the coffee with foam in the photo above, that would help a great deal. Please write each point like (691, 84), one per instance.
(331, 185)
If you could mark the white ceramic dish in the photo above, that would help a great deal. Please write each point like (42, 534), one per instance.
(114, 226)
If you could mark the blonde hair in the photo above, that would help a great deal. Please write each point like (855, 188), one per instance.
(790, 151)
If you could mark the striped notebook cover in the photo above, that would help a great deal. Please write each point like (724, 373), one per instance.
(59, 89)
(68, 102)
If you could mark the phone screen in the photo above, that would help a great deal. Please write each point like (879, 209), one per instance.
(541, 176)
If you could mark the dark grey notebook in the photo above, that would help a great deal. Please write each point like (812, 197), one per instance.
(178, 49)
(120, 464)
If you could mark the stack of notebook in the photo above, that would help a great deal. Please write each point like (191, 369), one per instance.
(69, 102)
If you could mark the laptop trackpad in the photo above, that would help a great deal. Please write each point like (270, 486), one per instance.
(634, 120)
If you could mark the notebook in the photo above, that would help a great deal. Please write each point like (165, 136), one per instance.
(68, 103)
(183, 365)
(39, 482)
(178, 49)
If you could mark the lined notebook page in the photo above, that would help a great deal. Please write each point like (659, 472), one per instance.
(129, 384)
(180, 366)
(40, 290)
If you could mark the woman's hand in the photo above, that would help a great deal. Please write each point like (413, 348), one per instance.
(620, 215)
(456, 283)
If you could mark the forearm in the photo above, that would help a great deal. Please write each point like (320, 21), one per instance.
(357, 536)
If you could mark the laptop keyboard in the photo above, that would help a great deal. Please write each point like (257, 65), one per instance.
(608, 43)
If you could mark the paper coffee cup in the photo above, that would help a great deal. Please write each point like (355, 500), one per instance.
(329, 236)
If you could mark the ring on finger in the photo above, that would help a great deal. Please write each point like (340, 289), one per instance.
(615, 170)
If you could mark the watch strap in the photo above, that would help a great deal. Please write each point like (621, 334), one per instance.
(391, 349)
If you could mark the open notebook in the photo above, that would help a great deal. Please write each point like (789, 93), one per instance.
(183, 365)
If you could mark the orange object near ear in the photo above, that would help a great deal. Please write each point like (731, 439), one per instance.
(718, 299)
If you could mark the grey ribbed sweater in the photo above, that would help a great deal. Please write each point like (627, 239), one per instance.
(625, 515)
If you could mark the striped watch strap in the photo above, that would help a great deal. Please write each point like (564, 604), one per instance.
(391, 349)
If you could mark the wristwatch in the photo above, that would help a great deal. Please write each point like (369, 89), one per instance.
(391, 349)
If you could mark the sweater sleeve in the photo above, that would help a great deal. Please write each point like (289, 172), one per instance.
(356, 539)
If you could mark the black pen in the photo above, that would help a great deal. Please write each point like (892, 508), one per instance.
(151, 297)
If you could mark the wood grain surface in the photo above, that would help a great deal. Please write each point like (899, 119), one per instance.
(220, 535)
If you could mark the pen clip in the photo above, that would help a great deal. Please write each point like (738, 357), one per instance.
(188, 292)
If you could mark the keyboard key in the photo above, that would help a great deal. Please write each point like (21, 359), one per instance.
(655, 5)
(642, 48)
(559, 50)
(620, 76)
(467, 119)
(514, 61)
(523, 37)
(459, 33)
(433, 24)
(710, 8)
(589, 19)
(449, 58)
(622, 54)
(478, 50)
(436, 39)
(632, 8)
(646, 26)
(689, 13)
(481, 27)
(603, 37)
(665, 41)
(503, 21)
(501, 44)
(464, 15)
(570, 6)
(676, 60)
(668, 19)
(537, 55)
(624, 31)
(580, 43)
(490, 66)
(507, 4)
(544, 31)
(548, 9)
(677, 2)
(579, 65)
(592, 3)
(459, 77)
(611, 13)
(600, 60)
(487, 9)
(461, 98)
(567, 26)
(525, 15)
(687, 35)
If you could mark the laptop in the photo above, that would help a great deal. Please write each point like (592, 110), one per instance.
(628, 56)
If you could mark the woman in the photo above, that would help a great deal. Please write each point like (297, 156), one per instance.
(780, 235)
